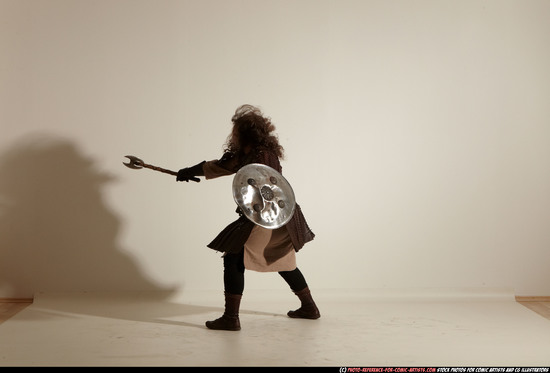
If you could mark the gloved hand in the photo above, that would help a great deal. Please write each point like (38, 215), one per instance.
(189, 173)
(184, 175)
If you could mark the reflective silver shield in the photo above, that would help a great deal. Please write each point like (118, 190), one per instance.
(264, 195)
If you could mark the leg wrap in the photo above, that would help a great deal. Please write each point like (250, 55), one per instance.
(233, 273)
(294, 279)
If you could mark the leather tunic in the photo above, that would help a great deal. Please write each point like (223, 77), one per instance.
(233, 238)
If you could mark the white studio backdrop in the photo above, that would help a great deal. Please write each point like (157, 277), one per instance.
(417, 137)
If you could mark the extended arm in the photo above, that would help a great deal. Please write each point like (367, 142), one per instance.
(185, 174)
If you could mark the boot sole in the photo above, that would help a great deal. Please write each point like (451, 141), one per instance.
(212, 327)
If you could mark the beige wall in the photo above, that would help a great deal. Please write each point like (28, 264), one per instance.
(417, 136)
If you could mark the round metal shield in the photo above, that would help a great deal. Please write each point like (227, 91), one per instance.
(264, 195)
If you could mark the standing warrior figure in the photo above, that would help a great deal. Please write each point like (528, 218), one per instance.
(247, 244)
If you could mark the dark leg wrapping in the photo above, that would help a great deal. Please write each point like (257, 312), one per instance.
(295, 279)
(233, 273)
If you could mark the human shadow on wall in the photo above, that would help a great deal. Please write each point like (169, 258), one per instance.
(56, 232)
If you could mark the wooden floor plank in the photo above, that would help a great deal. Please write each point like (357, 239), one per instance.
(542, 308)
(10, 309)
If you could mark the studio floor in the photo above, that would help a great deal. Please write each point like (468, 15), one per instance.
(355, 329)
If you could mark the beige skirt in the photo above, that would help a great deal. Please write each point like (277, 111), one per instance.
(269, 250)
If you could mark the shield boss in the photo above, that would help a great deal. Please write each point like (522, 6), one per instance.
(264, 195)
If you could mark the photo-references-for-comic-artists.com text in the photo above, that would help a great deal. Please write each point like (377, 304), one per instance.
(445, 370)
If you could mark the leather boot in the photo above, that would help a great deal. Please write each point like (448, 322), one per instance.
(308, 310)
(230, 318)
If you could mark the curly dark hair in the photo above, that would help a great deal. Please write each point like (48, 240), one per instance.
(253, 130)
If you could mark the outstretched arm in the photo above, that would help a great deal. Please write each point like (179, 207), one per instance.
(185, 174)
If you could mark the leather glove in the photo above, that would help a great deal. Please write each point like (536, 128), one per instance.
(189, 173)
